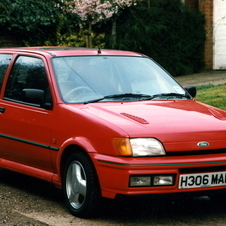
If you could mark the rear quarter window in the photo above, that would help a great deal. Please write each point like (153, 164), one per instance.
(4, 63)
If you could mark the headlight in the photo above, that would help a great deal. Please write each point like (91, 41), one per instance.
(139, 147)
(146, 147)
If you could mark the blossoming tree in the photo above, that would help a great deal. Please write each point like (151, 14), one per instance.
(92, 11)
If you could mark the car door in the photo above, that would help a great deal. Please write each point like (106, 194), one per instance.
(4, 63)
(25, 126)
(5, 60)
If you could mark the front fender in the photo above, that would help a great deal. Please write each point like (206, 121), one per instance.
(82, 142)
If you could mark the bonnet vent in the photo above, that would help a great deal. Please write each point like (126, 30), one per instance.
(135, 118)
(218, 113)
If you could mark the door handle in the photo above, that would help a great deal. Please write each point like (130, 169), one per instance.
(2, 109)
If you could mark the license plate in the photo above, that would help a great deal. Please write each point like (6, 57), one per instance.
(202, 180)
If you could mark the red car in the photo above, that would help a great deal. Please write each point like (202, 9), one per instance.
(103, 123)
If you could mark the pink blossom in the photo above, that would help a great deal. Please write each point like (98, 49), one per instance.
(95, 10)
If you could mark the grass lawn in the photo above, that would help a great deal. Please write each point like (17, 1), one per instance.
(212, 95)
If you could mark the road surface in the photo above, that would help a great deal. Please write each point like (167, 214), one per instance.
(25, 201)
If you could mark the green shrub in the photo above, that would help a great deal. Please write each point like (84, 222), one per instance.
(33, 22)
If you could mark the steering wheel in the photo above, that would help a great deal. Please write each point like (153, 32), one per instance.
(78, 93)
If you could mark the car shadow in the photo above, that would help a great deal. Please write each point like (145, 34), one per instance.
(137, 211)
(30, 185)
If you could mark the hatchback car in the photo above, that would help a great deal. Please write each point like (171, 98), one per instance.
(104, 123)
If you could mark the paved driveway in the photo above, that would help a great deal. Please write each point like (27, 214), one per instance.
(26, 201)
(204, 78)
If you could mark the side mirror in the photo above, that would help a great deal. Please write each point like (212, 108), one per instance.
(36, 97)
(191, 90)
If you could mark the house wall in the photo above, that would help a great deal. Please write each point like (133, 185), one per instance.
(219, 35)
(215, 44)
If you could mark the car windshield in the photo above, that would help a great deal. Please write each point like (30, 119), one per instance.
(89, 79)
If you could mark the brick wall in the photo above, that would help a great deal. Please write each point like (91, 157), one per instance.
(206, 7)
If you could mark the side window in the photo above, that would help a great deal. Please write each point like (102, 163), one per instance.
(28, 73)
(4, 62)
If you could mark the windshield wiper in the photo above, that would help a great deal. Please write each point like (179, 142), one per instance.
(138, 96)
(124, 95)
(120, 96)
(170, 95)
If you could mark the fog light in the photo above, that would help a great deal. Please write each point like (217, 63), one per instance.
(140, 181)
(163, 180)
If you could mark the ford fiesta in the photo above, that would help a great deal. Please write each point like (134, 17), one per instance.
(103, 123)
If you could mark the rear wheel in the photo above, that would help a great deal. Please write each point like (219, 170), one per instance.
(81, 187)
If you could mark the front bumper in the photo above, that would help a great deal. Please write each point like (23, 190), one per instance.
(114, 173)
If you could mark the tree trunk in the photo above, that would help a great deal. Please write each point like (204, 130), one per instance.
(113, 33)
(149, 4)
(89, 36)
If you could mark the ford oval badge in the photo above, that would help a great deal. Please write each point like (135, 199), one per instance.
(203, 144)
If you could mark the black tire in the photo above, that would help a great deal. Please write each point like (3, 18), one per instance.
(80, 186)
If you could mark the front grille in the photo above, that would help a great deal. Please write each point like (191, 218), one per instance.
(202, 152)
(202, 169)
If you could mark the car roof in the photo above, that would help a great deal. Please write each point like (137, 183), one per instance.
(67, 51)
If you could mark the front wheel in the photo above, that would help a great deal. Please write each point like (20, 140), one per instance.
(80, 185)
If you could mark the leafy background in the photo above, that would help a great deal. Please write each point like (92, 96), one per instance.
(168, 31)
